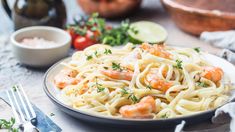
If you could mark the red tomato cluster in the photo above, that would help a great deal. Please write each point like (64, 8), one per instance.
(80, 42)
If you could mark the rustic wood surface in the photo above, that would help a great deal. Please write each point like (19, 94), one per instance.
(11, 71)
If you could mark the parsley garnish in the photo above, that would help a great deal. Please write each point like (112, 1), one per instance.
(197, 49)
(135, 31)
(202, 84)
(96, 53)
(149, 87)
(117, 35)
(178, 64)
(4, 124)
(89, 57)
(111, 36)
(52, 114)
(14, 88)
(164, 116)
(133, 98)
(116, 66)
(124, 91)
(107, 51)
(99, 87)
(106, 68)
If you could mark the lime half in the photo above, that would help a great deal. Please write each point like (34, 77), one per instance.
(145, 31)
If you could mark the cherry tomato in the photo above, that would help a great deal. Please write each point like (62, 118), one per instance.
(81, 42)
(72, 34)
(92, 35)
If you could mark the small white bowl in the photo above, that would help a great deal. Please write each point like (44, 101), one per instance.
(40, 57)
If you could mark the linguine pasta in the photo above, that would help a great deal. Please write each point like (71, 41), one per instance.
(141, 82)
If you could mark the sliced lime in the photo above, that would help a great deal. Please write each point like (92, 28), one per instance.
(145, 31)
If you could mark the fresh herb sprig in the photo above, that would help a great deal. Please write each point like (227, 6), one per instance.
(4, 124)
(112, 36)
(116, 66)
(124, 92)
(202, 84)
(178, 64)
(133, 98)
(149, 87)
(89, 57)
(99, 87)
(117, 35)
(107, 51)
(197, 49)
(164, 116)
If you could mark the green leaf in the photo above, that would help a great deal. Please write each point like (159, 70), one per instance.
(124, 91)
(107, 51)
(164, 116)
(149, 87)
(197, 49)
(106, 68)
(202, 84)
(116, 66)
(4, 124)
(100, 89)
(178, 64)
(52, 114)
(89, 57)
(133, 98)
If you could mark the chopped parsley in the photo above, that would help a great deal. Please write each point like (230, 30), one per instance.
(106, 68)
(117, 35)
(52, 114)
(89, 57)
(96, 53)
(164, 116)
(99, 87)
(149, 87)
(14, 88)
(197, 49)
(116, 66)
(4, 124)
(178, 64)
(133, 98)
(135, 31)
(202, 84)
(124, 91)
(107, 51)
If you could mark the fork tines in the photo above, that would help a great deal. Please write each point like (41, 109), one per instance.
(20, 103)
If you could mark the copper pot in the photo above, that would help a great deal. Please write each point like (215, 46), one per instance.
(202, 15)
(109, 8)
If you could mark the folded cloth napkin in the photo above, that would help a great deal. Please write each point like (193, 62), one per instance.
(222, 39)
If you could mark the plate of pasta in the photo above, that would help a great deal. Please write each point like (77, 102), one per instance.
(141, 85)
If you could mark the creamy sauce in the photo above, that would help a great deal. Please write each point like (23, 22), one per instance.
(37, 42)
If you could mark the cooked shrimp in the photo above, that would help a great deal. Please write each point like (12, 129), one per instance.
(156, 49)
(121, 75)
(156, 82)
(212, 73)
(83, 89)
(66, 77)
(143, 109)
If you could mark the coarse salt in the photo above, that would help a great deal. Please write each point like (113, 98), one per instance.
(37, 42)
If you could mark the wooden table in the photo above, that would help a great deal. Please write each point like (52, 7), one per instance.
(11, 71)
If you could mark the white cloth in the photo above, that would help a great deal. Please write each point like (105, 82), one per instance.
(221, 39)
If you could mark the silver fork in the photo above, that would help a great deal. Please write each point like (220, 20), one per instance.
(20, 103)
